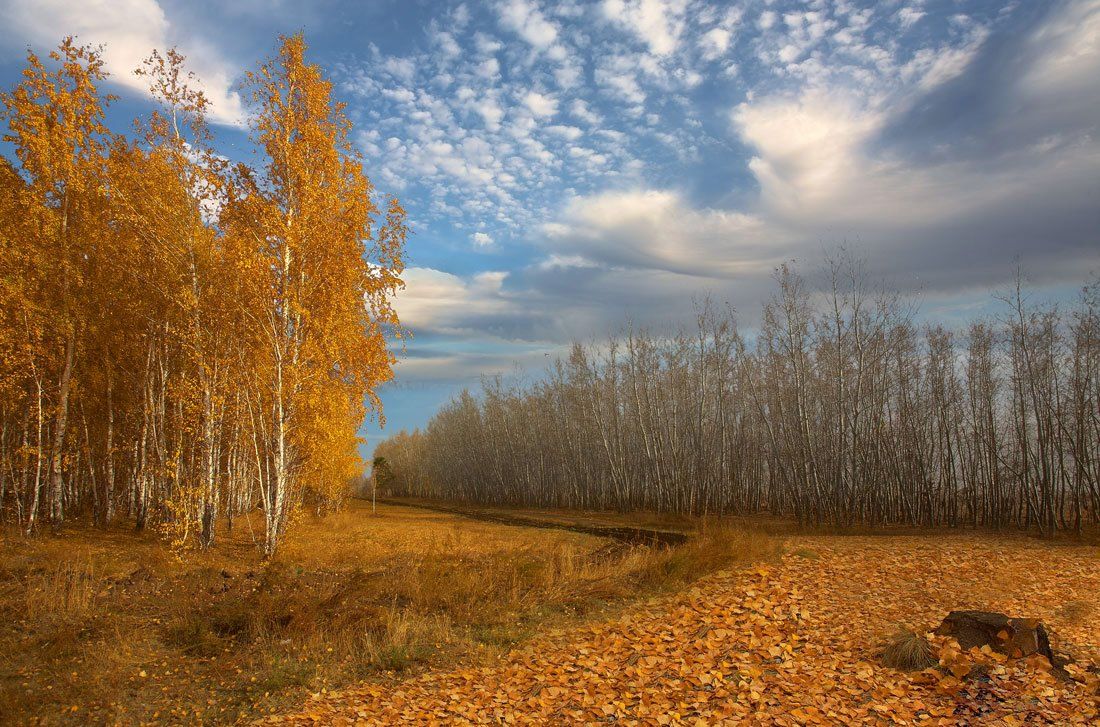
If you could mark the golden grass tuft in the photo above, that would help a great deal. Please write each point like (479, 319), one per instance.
(62, 593)
(907, 650)
(403, 638)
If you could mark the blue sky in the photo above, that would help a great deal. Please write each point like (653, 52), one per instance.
(568, 166)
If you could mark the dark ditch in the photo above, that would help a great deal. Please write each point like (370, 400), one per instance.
(623, 533)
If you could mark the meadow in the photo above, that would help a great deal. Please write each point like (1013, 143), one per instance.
(113, 627)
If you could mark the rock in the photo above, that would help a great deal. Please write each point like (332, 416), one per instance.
(1014, 637)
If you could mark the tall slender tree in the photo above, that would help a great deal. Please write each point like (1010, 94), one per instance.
(318, 308)
(55, 121)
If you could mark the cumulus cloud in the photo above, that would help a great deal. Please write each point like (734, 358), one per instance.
(839, 163)
(658, 23)
(129, 30)
(481, 239)
(541, 105)
(714, 43)
(436, 301)
(636, 153)
(658, 230)
(806, 147)
(471, 325)
(909, 15)
(524, 18)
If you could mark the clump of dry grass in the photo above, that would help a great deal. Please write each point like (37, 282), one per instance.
(907, 650)
(64, 592)
(403, 638)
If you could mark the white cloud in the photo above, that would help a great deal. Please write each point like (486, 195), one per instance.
(822, 180)
(525, 19)
(658, 23)
(401, 68)
(569, 133)
(487, 45)
(714, 43)
(433, 300)
(488, 68)
(555, 261)
(907, 16)
(400, 95)
(447, 45)
(568, 75)
(806, 147)
(481, 239)
(541, 105)
(1068, 49)
(658, 229)
(129, 30)
(490, 112)
(581, 110)
(618, 75)
(932, 67)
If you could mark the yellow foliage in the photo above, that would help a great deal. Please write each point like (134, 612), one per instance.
(185, 339)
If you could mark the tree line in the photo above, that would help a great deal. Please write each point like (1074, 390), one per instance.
(184, 339)
(841, 410)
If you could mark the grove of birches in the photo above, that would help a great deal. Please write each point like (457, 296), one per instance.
(839, 410)
(184, 339)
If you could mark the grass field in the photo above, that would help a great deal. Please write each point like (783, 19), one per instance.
(111, 627)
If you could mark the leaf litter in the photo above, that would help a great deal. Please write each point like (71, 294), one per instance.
(793, 642)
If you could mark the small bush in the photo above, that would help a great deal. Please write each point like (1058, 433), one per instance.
(908, 651)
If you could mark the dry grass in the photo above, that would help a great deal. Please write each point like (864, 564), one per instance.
(907, 650)
(220, 636)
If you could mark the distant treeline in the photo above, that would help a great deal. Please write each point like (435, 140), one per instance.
(183, 339)
(843, 411)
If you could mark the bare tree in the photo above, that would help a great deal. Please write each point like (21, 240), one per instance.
(843, 411)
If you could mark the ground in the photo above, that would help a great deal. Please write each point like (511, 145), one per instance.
(788, 642)
(425, 617)
(111, 627)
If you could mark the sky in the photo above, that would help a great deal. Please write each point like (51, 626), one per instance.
(571, 166)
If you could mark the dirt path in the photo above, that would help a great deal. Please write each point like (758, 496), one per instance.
(629, 534)
(786, 643)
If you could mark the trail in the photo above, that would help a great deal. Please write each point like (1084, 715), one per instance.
(626, 533)
(792, 642)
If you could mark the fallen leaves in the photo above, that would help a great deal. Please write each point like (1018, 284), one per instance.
(790, 644)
